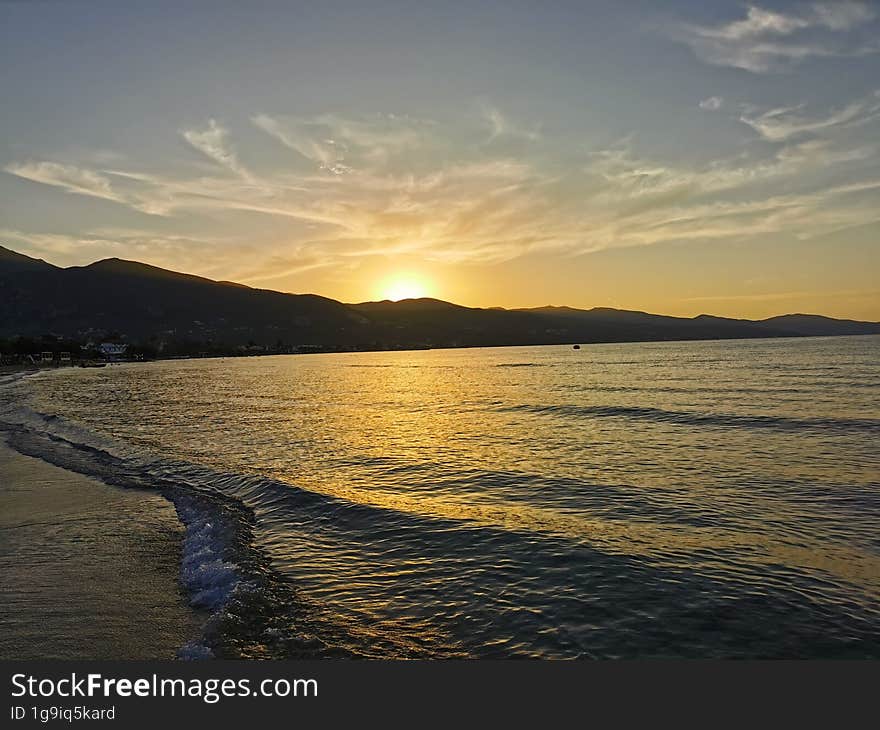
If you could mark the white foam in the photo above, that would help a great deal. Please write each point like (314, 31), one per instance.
(207, 577)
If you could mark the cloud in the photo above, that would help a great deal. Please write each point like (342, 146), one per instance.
(338, 145)
(780, 124)
(842, 15)
(328, 154)
(712, 104)
(212, 141)
(445, 195)
(501, 126)
(758, 22)
(628, 180)
(767, 40)
(377, 135)
(69, 177)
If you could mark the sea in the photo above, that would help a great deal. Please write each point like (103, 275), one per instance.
(714, 499)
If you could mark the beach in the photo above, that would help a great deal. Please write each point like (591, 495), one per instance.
(90, 571)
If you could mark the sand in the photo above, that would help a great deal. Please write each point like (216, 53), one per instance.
(87, 570)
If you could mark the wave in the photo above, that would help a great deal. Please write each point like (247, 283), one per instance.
(692, 418)
(249, 607)
(252, 610)
(210, 571)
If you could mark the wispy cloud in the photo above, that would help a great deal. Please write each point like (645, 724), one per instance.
(326, 153)
(212, 141)
(784, 122)
(767, 40)
(414, 187)
(842, 14)
(712, 104)
(500, 126)
(69, 177)
(339, 145)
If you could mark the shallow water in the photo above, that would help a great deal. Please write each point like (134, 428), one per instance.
(63, 539)
(659, 499)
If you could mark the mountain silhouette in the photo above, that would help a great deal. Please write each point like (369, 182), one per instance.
(142, 303)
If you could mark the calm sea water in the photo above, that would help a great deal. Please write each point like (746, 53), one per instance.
(704, 499)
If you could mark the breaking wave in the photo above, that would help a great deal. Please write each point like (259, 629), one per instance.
(252, 611)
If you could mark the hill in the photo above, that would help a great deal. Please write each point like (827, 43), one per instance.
(141, 303)
(144, 302)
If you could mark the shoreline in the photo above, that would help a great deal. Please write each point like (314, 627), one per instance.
(11, 369)
(89, 571)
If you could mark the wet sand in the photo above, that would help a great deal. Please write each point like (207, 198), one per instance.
(87, 571)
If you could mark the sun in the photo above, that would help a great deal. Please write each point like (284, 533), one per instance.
(404, 287)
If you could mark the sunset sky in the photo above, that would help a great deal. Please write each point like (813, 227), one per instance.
(679, 157)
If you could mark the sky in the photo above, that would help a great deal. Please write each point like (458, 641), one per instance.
(680, 157)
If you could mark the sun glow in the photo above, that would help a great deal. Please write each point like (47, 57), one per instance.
(403, 287)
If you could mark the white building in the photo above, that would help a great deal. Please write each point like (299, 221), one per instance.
(112, 349)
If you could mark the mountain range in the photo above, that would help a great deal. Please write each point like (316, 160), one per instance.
(141, 303)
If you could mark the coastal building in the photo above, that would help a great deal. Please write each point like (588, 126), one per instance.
(112, 350)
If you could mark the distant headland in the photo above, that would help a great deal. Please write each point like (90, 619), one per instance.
(130, 309)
